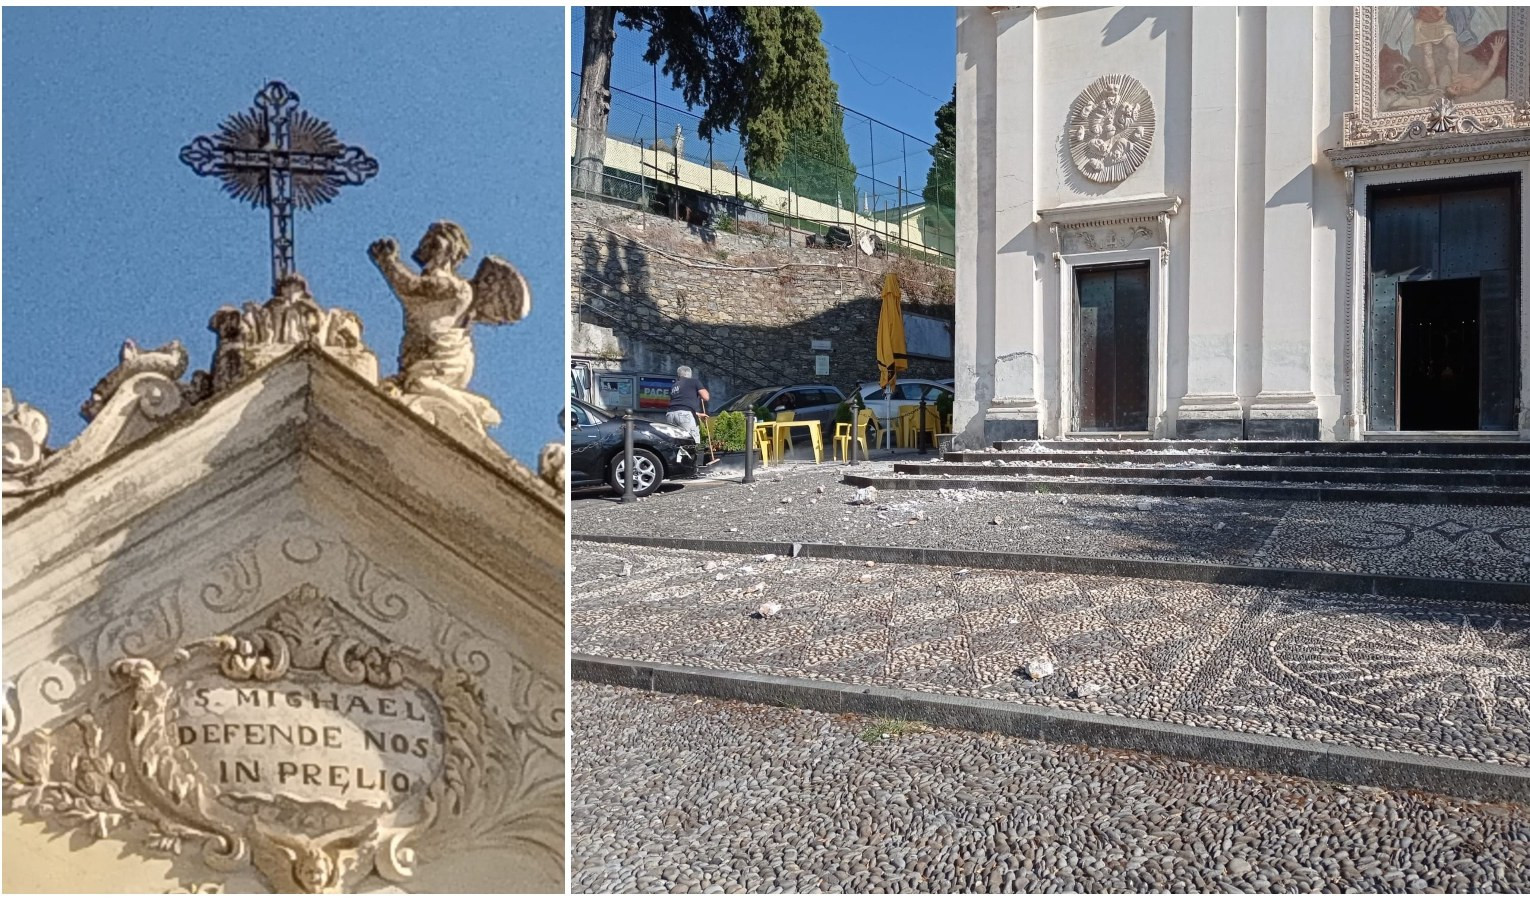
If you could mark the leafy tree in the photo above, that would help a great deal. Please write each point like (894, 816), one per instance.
(817, 165)
(762, 71)
(940, 183)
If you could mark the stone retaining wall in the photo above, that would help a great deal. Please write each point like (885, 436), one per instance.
(649, 294)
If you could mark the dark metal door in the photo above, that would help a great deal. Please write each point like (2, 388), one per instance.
(1111, 346)
(1462, 232)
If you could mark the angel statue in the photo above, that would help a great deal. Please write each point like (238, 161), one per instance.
(435, 358)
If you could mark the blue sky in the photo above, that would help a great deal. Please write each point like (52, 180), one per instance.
(894, 64)
(108, 236)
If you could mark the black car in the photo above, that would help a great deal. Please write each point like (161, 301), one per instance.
(804, 401)
(660, 450)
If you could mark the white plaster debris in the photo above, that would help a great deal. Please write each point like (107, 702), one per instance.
(1038, 669)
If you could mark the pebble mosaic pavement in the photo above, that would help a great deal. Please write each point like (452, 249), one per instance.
(1405, 675)
(673, 793)
(1490, 543)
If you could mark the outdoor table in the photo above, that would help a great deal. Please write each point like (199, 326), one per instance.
(814, 432)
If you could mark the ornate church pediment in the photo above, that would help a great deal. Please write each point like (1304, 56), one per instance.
(1430, 71)
(303, 743)
(289, 714)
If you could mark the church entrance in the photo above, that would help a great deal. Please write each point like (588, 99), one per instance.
(1437, 349)
(1442, 346)
(1111, 347)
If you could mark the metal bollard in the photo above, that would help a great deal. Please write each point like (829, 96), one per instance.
(749, 446)
(855, 419)
(922, 445)
(627, 460)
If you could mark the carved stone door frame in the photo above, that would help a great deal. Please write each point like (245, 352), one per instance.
(1357, 272)
(1112, 234)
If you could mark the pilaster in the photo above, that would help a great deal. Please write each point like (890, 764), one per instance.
(976, 79)
(1017, 408)
(1285, 406)
(1210, 407)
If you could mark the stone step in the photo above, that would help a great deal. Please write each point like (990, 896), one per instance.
(1222, 489)
(1311, 459)
(1508, 446)
(1338, 476)
(1435, 586)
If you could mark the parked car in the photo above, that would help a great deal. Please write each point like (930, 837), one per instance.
(805, 401)
(906, 393)
(661, 452)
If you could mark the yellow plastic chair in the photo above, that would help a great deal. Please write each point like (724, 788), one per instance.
(903, 427)
(786, 436)
(762, 443)
(842, 436)
(913, 426)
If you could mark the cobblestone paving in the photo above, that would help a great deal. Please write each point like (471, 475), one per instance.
(1399, 539)
(697, 795)
(1408, 675)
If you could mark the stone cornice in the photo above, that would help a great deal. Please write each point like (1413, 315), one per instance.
(1110, 212)
(1440, 150)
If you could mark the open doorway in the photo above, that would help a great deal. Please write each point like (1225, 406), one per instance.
(1438, 355)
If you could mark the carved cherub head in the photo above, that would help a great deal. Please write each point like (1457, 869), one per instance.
(445, 244)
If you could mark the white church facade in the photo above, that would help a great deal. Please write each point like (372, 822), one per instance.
(1242, 222)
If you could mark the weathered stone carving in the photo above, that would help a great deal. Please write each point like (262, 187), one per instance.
(168, 362)
(435, 358)
(552, 465)
(1096, 240)
(307, 746)
(256, 334)
(134, 398)
(1110, 128)
(25, 432)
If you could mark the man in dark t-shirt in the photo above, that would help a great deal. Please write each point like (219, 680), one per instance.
(687, 399)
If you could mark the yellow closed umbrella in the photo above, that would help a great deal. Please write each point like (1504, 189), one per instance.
(892, 349)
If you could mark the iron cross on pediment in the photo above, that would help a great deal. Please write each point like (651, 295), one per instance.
(280, 157)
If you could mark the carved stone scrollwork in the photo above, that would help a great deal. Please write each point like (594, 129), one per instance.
(168, 362)
(255, 334)
(1110, 128)
(129, 403)
(306, 746)
(25, 435)
(552, 465)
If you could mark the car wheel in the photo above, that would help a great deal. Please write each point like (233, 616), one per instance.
(649, 472)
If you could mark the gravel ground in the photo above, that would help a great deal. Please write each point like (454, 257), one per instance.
(682, 794)
(1407, 675)
(1399, 539)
